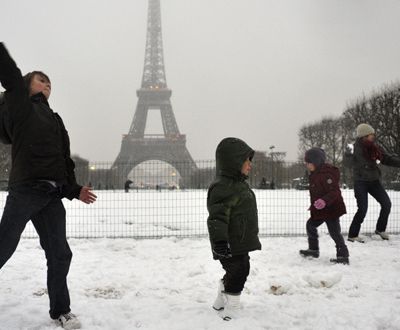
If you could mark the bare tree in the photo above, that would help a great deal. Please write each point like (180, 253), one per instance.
(382, 111)
(329, 134)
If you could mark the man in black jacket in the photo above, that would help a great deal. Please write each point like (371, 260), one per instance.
(42, 174)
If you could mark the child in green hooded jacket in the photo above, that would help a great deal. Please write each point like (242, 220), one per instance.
(232, 222)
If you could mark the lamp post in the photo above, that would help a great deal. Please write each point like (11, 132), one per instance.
(271, 153)
(92, 176)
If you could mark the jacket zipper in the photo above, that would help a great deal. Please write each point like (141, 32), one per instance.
(244, 230)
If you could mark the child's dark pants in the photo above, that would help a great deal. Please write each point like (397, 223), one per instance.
(41, 203)
(237, 269)
(376, 190)
(334, 231)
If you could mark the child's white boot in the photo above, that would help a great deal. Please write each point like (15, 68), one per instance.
(232, 306)
(219, 302)
(69, 321)
(382, 234)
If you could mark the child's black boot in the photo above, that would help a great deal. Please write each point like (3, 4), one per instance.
(340, 260)
(309, 253)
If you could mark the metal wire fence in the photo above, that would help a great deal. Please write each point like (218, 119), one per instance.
(154, 200)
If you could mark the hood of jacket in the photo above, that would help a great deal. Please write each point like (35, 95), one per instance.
(230, 155)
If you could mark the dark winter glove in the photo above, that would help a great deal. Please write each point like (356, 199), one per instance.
(222, 250)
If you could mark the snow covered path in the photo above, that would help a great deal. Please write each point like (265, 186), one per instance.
(171, 284)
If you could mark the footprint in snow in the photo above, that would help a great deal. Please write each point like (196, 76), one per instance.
(104, 293)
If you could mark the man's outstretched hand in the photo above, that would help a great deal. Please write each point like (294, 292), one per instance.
(87, 196)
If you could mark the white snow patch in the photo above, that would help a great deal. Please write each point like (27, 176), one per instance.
(322, 280)
(171, 284)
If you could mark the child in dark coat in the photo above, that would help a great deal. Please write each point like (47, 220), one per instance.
(232, 222)
(326, 205)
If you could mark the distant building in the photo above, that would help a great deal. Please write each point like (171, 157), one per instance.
(81, 169)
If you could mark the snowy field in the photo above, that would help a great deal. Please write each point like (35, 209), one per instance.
(170, 284)
(150, 214)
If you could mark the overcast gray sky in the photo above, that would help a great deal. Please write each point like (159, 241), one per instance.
(255, 69)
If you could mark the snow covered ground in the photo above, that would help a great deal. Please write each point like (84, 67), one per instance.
(170, 283)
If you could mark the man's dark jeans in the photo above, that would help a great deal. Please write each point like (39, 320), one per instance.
(376, 190)
(237, 269)
(334, 231)
(40, 202)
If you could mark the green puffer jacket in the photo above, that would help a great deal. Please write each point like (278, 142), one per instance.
(231, 203)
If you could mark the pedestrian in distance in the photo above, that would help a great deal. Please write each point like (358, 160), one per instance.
(327, 205)
(127, 185)
(42, 173)
(232, 222)
(364, 158)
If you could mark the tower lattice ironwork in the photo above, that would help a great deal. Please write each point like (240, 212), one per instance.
(136, 146)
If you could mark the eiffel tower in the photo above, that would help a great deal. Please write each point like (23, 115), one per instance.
(138, 147)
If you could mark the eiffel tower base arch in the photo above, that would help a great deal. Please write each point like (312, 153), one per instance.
(135, 151)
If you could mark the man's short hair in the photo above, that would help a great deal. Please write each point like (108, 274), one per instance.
(29, 76)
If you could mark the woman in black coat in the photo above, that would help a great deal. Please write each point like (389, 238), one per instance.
(367, 180)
